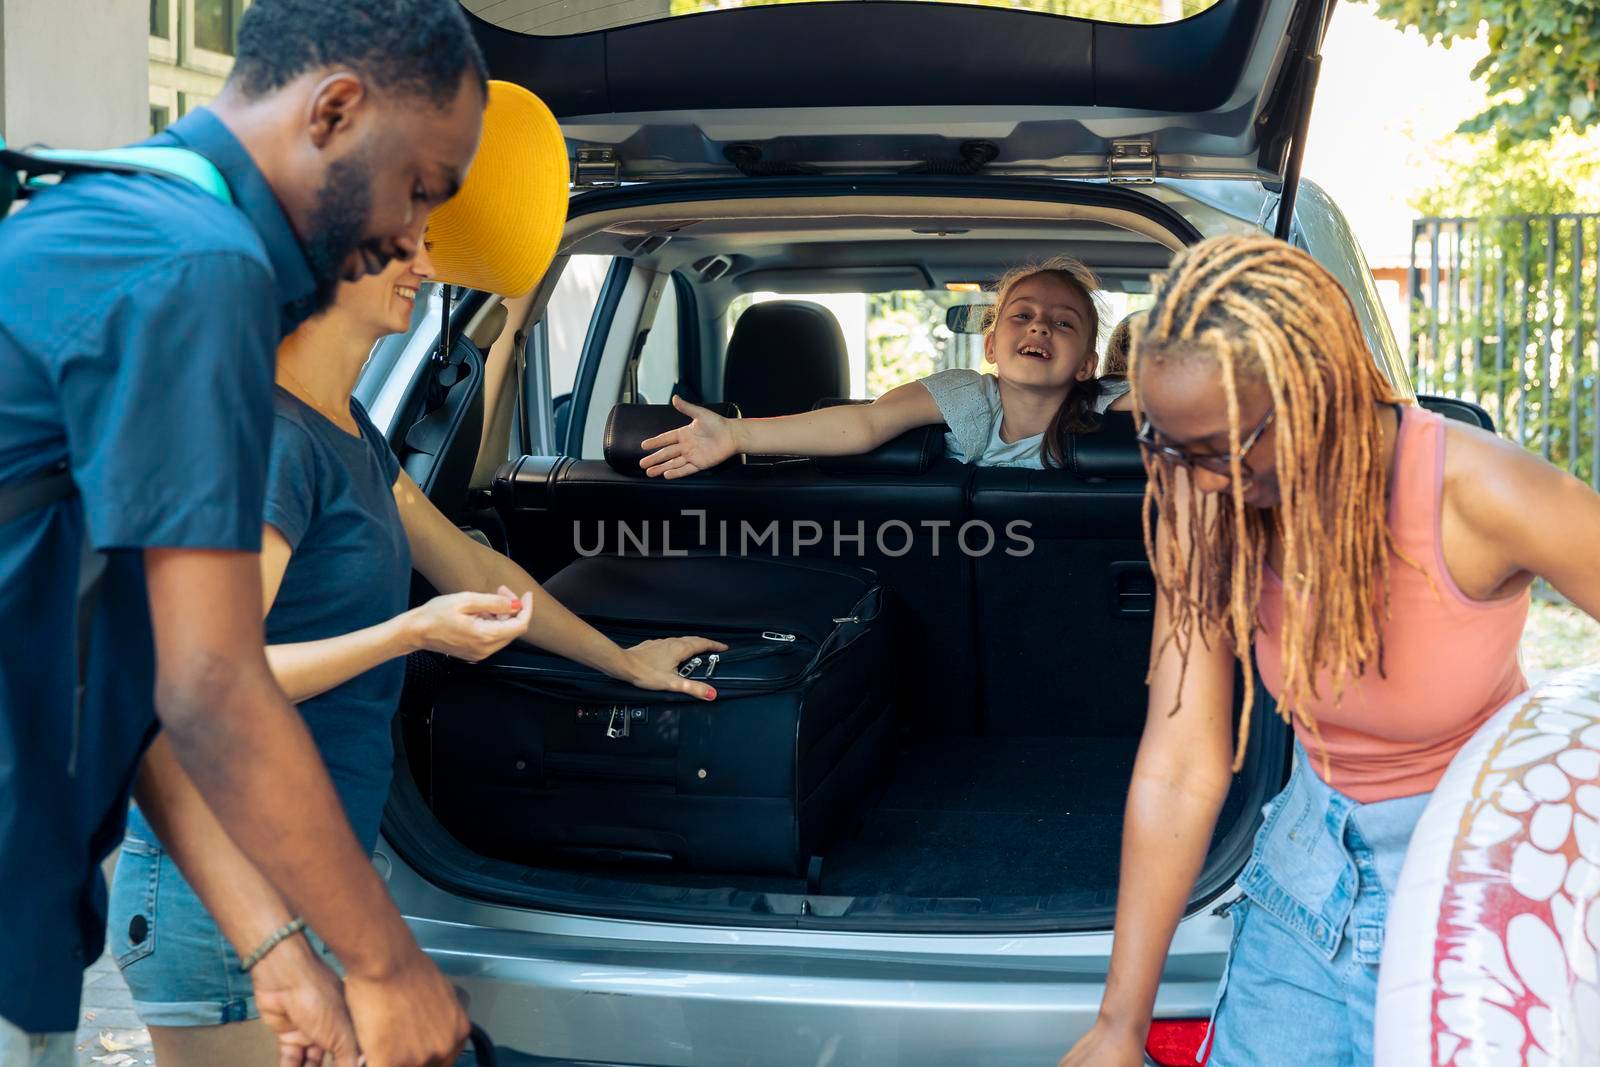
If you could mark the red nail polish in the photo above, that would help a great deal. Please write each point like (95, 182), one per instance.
(711, 694)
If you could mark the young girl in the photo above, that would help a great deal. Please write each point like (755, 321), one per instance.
(1041, 340)
(345, 526)
(1377, 559)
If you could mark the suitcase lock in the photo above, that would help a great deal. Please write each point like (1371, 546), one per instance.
(620, 719)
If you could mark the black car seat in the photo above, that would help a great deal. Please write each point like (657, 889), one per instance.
(784, 356)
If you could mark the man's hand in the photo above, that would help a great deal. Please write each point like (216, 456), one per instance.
(301, 1000)
(410, 1018)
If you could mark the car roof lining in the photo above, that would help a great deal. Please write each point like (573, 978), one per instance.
(806, 240)
(909, 210)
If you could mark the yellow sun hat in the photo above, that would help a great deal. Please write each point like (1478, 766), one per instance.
(499, 233)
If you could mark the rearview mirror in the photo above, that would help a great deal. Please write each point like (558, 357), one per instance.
(967, 318)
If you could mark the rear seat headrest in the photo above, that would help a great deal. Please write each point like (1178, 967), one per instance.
(629, 424)
(784, 356)
(910, 453)
(1109, 452)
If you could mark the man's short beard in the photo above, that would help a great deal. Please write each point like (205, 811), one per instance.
(338, 223)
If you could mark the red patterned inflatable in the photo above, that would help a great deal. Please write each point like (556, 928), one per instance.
(1492, 952)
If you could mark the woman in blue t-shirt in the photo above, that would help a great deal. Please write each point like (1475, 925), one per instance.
(344, 528)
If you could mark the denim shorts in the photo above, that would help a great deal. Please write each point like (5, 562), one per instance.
(179, 968)
(1301, 981)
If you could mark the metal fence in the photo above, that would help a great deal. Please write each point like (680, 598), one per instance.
(1504, 313)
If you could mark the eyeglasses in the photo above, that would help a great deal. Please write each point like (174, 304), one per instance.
(1214, 463)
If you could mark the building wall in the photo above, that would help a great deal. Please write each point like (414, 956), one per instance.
(68, 74)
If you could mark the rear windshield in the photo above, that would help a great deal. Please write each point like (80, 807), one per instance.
(557, 18)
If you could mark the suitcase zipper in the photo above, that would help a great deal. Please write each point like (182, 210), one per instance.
(656, 628)
(738, 655)
(774, 641)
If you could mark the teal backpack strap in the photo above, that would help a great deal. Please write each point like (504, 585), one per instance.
(141, 159)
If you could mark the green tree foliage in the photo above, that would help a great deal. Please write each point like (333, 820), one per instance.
(1480, 177)
(1543, 64)
(907, 338)
(1516, 331)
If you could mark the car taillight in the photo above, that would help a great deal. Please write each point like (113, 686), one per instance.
(1174, 1042)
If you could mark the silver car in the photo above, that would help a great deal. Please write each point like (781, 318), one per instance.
(879, 160)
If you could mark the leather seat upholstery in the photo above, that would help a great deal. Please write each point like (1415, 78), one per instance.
(783, 357)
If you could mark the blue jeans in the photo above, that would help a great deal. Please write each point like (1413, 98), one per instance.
(1302, 977)
(18, 1048)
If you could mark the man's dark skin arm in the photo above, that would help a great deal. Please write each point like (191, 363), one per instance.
(251, 757)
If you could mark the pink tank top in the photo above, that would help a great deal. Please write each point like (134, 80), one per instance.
(1450, 661)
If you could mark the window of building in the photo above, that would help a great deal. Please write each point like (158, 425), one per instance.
(164, 30)
(209, 29)
(214, 26)
(163, 108)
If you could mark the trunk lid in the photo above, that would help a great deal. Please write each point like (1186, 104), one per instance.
(645, 93)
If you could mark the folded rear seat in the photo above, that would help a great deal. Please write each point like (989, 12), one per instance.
(1063, 632)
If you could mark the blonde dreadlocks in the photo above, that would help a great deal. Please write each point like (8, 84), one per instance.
(1265, 312)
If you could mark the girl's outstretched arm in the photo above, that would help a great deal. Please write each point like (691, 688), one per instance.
(845, 430)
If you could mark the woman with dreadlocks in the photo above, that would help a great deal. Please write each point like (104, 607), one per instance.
(1372, 560)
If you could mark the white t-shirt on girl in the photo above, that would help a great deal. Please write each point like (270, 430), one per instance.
(969, 400)
(970, 403)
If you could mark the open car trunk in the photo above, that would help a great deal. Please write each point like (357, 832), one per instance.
(1018, 679)
(961, 833)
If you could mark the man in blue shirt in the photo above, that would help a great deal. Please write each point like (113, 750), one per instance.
(137, 340)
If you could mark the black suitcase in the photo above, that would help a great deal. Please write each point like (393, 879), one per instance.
(536, 757)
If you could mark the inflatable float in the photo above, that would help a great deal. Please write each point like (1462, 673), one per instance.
(1492, 949)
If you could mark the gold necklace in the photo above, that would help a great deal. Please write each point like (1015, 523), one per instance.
(301, 392)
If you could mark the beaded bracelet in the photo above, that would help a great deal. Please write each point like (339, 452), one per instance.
(282, 933)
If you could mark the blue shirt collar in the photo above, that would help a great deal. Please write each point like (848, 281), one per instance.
(203, 132)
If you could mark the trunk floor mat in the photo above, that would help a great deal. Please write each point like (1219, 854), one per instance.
(976, 817)
(992, 816)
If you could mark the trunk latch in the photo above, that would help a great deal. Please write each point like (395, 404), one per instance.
(1131, 162)
(596, 168)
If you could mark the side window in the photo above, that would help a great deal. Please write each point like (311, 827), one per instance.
(554, 350)
(567, 317)
(658, 360)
